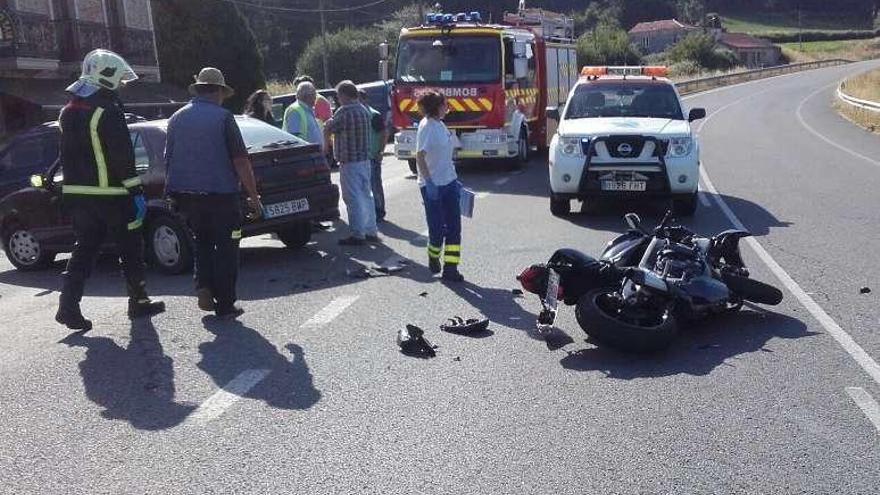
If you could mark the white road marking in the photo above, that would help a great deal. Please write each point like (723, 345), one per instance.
(839, 334)
(501, 181)
(218, 403)
(821, 136)
(704, 197)
(866, 403)
(482, 195)
(331, 311)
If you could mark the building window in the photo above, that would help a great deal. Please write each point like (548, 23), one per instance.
(33, 6)
(137, 14)
(645, 42)
(91, 11)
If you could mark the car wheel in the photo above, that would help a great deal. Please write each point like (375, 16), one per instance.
(170, 246)
(559, 207)
(296, 236)
(24, 250)
(686, 205)
(412, 167)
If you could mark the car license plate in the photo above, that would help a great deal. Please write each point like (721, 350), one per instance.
(286, 208)
(624, 185)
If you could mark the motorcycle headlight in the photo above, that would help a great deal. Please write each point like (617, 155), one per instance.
(680, 146)
(573, 146)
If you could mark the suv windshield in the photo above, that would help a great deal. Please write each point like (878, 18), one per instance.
(624, 99)
(449, 59)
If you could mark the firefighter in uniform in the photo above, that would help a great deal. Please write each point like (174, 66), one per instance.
(102, 192)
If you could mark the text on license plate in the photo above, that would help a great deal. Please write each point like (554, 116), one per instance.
(286, 208)
(624, 185)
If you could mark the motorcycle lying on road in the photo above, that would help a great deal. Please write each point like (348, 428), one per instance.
(646, 283)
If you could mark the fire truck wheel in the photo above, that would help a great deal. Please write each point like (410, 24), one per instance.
(523, 146)
(412, 167)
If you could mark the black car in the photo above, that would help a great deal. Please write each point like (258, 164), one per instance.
(293, 180)
(29, 153)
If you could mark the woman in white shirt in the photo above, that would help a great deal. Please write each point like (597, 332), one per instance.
(440, 187)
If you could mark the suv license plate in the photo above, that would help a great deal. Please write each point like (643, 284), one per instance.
(286, 208)
(624, 185)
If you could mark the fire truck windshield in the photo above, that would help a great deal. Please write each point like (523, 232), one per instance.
(449, 59)
(624, 99)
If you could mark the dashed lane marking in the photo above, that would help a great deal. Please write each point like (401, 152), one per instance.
(501, 181)
(704, 197)
(839, 334)
(330, 312)
(866, 403)
(224, 398)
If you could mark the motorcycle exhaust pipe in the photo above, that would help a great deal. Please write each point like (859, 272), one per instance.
(752, 290)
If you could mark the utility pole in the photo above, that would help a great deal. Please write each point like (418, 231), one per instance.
(800, 30)
(324, 44)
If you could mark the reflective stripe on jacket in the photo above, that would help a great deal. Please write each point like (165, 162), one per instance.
(97, 157)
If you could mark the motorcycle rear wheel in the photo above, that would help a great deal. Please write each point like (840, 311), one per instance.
(601, 321)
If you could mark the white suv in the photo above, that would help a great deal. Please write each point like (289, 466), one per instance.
(623, 132)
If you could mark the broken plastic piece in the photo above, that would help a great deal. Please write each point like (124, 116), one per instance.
(865, 290)
(412, 342)
(459, 325)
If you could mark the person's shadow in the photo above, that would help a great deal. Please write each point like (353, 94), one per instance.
(134, 384)
(699, 348)
(237, 349)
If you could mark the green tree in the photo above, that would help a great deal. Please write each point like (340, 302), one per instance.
(191, 34)
(351, 54)
(607, 45)
(701, 49)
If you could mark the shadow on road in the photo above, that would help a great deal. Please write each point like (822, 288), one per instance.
(266, 271)
(699, 349)
(237, 348)
(133, 384)
(499, 305)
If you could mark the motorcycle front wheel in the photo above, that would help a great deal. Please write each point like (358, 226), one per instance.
(617, 326)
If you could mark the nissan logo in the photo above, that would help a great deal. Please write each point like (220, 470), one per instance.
(625, 149)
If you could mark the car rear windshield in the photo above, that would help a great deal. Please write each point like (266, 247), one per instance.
(258, 135)
(449, 59)
(624, 99)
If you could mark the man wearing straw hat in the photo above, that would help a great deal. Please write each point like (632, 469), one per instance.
(206, 165)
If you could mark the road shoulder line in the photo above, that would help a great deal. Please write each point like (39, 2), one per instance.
(839, 334)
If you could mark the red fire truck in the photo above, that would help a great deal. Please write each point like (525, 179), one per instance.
(498, 79)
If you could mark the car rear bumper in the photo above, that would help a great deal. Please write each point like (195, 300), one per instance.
(323, 205)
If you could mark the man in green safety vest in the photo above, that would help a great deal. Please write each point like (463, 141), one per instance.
(102, 191)
(299, 118)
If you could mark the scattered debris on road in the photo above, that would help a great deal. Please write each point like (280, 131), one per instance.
(412, 342)
(517, 292)
(423, 294)
(459, 325)
(865, 290)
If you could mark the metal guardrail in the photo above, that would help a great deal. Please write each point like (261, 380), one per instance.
(706, 83)
(872, 106)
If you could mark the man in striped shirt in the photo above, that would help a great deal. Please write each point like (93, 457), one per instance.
(350, 128)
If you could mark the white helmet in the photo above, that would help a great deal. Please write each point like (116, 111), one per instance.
(102, 69)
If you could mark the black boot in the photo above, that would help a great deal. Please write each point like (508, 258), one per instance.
(451, 273)
(434, 265)
(72, 318)
(140, 304)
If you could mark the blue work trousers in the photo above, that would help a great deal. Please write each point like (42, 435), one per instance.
(444, 223)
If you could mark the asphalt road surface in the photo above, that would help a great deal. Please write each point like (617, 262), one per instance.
(309, 394)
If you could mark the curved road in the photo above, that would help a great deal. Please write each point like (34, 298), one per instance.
(309, 394)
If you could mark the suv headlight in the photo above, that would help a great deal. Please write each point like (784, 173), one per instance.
(573, 146)
(680, 146)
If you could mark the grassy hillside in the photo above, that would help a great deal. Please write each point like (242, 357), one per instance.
(819, 50)
(765, 23)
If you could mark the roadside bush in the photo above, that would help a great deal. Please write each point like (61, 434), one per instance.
(351, 54)
(687, 68)
(607, 45)
(701, 49)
